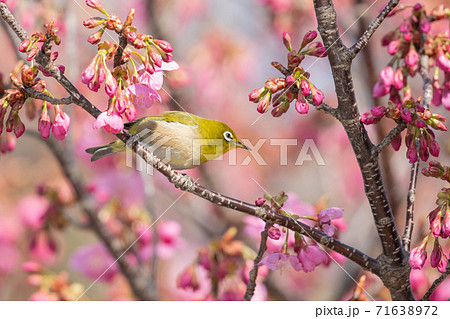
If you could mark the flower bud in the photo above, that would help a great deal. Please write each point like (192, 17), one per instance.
(309, 37)
(317, 95)
(393, 47)
(61, 124)
(260, 201)
(95, 4)
(129, 19)
(256, 95)
(287, 41)
(418, 255)
(23, 46)
(305, 87)
(163, 45)
(396, 142)
(44, 124)
(399, 81)
(378, 111)
(387, 75)
(274, 233)
(302, 106)
(96, 37)
(264, 104)
(93, 22)
(412, 56)
(406, 115)
(380, 89)
(442, 61)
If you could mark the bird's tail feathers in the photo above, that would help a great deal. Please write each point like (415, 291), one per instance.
(104, 150)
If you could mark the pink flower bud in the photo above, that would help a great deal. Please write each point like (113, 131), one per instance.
(425, 25)
(163, 45)
(378, 111)
(387, 75)
(95, 4)
(260, 201)
(418, 256)
(408, 36)
(19, 127)
(44, 124)
(256, 95)
(380, 89)
(317, 95)
(88, 73)
(302, 107)
(367, 119)
(287, 41)
(188, 279)
(101, 73)
(399, 81)
(406, 115)
(411, 153)
(396, 142)
(156, 58)
(111, 123)
(435, 254)
(274, 233)
(305, 88)
(317, 49)
(264, 104)
(23, 46)
(110, 85)
(437, 94)
(412, 56)
(290, 79)
(442, 61)
(393, 47)
(309, 37)
(61, 125)
(93, 22)
(96, 37)
(94, 85)
(438, 125)
(434, 148)
(435, 223)
(31, 266)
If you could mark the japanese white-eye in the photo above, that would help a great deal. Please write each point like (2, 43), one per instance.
(180, 139)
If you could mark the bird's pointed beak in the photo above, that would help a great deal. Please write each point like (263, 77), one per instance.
(242, 145)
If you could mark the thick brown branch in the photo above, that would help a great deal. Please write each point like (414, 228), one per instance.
(254, 272)
(364, 39)
(394, 260)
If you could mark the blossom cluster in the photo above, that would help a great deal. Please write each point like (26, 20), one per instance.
(51, 286)
(127, 85)
(227, 264)
(300, 252)
(403, 44)
(296, 86)
(420, 123)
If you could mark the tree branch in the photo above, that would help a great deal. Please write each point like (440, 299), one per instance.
(254, 272)
(364, 39)
(436, 283)
(409, 224)
(395, 271)
(44, 97)
(388, 139)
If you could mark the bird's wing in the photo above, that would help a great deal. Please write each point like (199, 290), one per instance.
(171, 116)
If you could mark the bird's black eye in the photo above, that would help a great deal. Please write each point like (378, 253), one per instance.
(228, 136)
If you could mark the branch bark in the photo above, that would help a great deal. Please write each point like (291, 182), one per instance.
(395, 269)
(254, 272)
(436, 283)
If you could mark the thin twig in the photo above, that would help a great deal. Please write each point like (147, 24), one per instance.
(409, 224)
(436, 283)
(388, 139)
(364, 39)
(44, 97)
(254, 272)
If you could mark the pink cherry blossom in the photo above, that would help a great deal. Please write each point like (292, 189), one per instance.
(325, 218)
(110, 122)
(92, 261)
(61, 125)
(32, 210)
(188, 279)
(311, 256)
(45, 124)
(277, 261)
(169, 240)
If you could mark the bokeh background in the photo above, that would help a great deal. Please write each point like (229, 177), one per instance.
(224, 49)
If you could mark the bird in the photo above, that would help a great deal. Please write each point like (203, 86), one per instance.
(180, 139)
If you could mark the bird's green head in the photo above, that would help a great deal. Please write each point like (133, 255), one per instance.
(221, 132)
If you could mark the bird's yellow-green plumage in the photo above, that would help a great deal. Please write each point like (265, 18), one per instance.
(180, 139)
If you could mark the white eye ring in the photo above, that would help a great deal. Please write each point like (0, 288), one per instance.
(228, 136)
